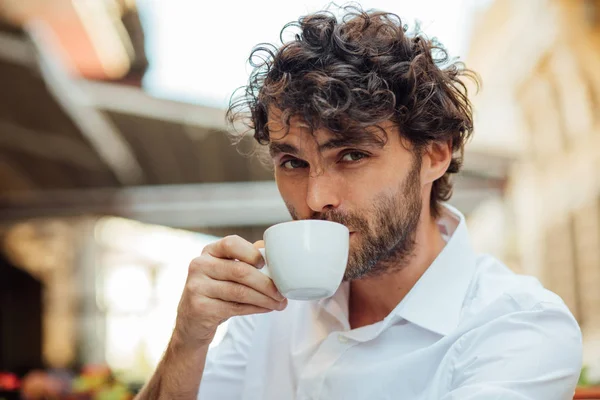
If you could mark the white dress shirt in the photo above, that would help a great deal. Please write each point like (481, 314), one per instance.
(469, 329)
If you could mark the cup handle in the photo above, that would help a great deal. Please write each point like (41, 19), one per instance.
(265, 269)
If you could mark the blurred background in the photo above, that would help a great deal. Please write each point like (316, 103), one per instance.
(116, 169)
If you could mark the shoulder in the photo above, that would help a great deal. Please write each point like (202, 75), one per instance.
(504, 310)
(515, 337)
(514, 318)
(496, 290)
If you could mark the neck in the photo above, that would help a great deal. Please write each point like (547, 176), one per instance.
(372, 299)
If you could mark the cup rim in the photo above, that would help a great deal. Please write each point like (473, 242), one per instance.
(312, 221)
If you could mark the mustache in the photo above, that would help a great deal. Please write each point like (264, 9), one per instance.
(353, 221)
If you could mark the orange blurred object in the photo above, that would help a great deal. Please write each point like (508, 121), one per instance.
(39, 385)
(85, 36)
(587, 393)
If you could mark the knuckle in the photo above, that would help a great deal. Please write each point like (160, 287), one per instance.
(230, 241)
(207, 248)
(194, 263)
(239, 292)
(191, 286)
(197, 263)
(239, 271)
(200, 306)
(194, 286)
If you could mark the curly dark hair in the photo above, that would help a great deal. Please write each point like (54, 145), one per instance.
(358, 71)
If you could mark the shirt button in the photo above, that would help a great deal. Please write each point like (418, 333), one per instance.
(343, 339)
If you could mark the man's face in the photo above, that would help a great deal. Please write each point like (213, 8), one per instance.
(372, 188)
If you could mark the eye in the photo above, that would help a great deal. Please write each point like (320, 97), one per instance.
(353, 156)
(293, 163)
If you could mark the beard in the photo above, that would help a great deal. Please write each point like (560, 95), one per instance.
(386, 231)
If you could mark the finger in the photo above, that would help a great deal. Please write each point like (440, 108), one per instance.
(240, 272)
(260, 244)
(235, 248)
(229, 309)
(220, 310)
(236, 293)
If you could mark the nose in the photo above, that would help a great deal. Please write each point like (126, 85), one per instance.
(323, 192)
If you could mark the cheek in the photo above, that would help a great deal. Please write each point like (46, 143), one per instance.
(364, 187)
(293, 193)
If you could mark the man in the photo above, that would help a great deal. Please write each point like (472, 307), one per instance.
(365, 124)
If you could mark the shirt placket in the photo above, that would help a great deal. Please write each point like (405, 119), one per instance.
(317, 370)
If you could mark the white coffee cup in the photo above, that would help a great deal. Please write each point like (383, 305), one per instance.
(306, 259)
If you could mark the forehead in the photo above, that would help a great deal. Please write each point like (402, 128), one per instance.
(297, 129)
(296, 137)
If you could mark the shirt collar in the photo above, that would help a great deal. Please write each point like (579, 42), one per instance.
(435, 302)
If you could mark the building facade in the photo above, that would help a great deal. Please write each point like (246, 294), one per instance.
(539, 61)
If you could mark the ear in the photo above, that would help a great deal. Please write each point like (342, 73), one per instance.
(436, 160)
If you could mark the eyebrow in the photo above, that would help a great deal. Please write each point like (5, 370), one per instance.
(336, 143)
(277, 148)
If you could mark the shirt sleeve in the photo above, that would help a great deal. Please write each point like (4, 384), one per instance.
(525, 355)
(225, 368)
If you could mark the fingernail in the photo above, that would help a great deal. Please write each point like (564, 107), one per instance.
(282, 306)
